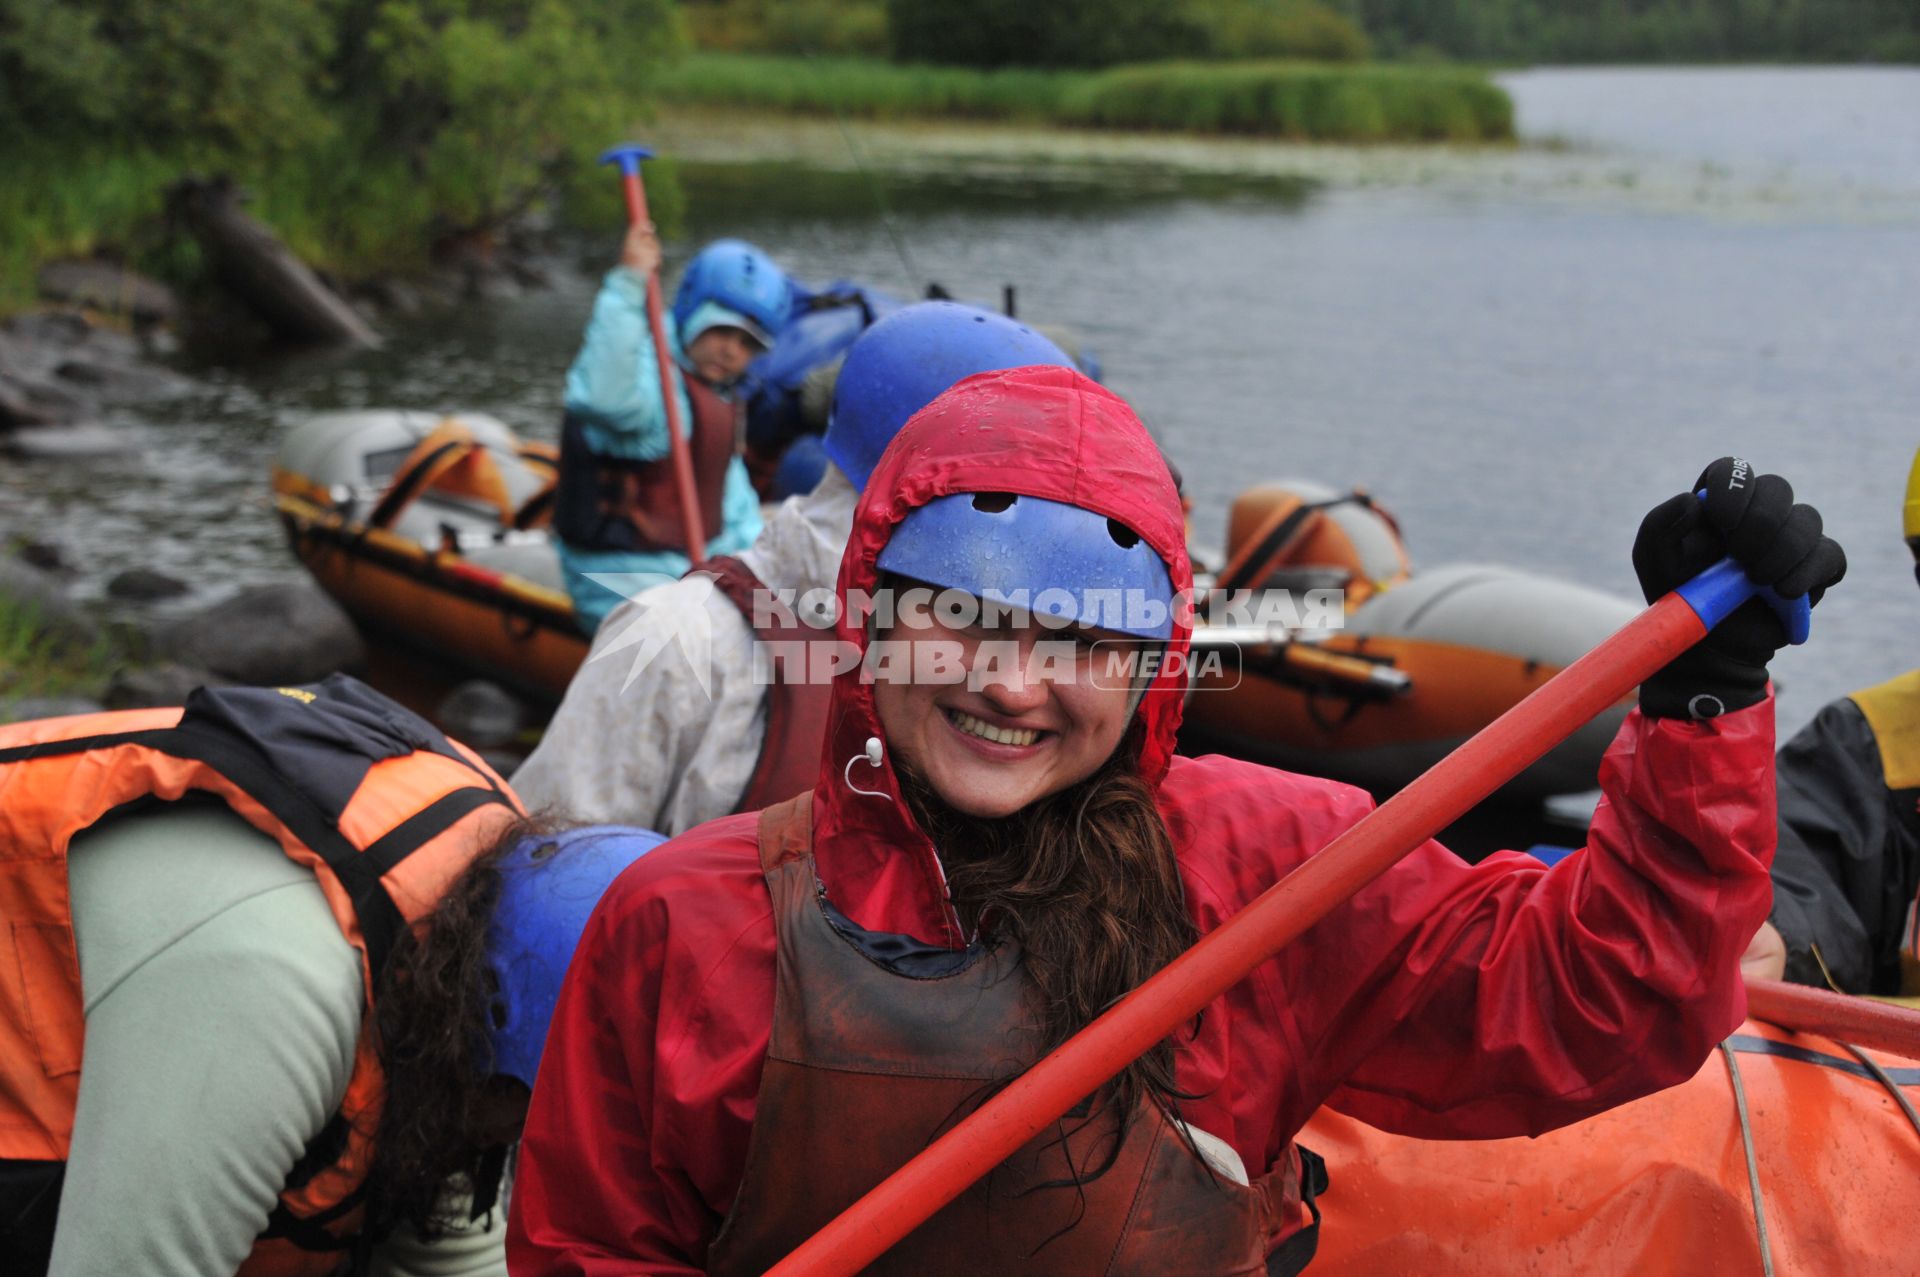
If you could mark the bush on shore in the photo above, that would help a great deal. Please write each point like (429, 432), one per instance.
(839, 28)
(1277, 99)
(1645, 30)
(1357, 104)
(996, 34)
(367, 132)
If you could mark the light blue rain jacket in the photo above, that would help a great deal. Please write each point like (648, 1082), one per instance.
(613, 389)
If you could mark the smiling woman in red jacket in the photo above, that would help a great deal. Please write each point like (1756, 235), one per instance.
(773, 1011)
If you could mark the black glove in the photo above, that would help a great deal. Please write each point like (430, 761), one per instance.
(1753, 518)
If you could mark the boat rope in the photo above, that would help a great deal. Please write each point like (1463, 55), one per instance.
(1893, 1088)
(1753, 1161)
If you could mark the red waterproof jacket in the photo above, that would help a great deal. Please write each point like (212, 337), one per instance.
(1446, 999)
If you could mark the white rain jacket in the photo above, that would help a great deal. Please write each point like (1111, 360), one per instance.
(638, 740)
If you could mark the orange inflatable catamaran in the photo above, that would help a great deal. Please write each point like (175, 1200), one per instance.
(1786, 1153)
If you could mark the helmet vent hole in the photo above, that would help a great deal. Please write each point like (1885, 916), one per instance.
(994, 502)
(543, 852)
(1123, 536)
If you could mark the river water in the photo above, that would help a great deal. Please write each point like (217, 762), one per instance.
(1516, 350)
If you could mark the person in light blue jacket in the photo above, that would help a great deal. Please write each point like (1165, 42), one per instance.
(618, 511)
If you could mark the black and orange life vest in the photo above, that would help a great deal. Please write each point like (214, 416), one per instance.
(616, 503)
(1892, 712)
(797, 704)
(383, 808)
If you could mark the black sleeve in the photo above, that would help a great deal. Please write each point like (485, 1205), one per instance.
(1841, 875)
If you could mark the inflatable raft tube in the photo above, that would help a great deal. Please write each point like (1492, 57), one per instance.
(1660, 1185)
(430, 529)
(1462, 644)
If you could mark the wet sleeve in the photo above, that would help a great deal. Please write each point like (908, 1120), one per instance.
(207, 1068)
(614, 383)
(637, 739)
(1506, 998)
(640, 1118)
(1836, 877)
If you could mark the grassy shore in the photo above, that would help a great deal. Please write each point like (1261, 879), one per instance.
(1298, 101)
(334, 208)
(350, 209)
(38, 661)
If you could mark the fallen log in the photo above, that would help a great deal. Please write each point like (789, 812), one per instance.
(249, 260)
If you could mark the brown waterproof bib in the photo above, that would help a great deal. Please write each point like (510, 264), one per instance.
(866, 1067)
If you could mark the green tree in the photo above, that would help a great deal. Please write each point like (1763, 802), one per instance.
(489, 99)
(166, 71)
(1056, 33)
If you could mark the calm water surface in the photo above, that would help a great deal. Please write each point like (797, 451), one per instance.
(1518, 368)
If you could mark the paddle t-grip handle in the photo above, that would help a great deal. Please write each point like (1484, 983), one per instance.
(1715, 593)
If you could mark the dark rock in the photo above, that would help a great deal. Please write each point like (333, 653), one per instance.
(153, 686)
(25, 359)
(46, 557)
(393, 295)
(250, 261)
(108, 287)
(270, 634)
(123, 381)
(29, 708)
(110, 345)
(144, 585)
(481, 714)
(26, 400)
(59, 442)
(159, 343)
(526, 273)
(43, 595)
(49, 328)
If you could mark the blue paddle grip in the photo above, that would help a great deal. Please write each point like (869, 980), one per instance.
(1715, 593)
(627, 155)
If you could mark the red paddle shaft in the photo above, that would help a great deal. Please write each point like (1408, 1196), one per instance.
(1860, 1021)
(676, 429)
(1076, 1069)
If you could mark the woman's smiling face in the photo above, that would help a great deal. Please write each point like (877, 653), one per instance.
(1019, 716)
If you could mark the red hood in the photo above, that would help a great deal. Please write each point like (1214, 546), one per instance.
(1039, 432)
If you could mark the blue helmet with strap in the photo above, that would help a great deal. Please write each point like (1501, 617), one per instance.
(906, 361)
(1046, 557)
(801, 468)
(733, 275)
(549, 884)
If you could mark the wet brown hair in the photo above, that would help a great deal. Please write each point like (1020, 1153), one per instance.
(1085, 881)
(431, 1009)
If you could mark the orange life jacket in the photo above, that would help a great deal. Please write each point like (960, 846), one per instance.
(383, 808)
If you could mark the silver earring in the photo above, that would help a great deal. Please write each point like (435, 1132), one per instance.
(871, 756)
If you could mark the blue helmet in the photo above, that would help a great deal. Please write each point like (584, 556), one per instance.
(906, 361)
(801, 468)
(549, 884)
(735, 276)
(1065, 562)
